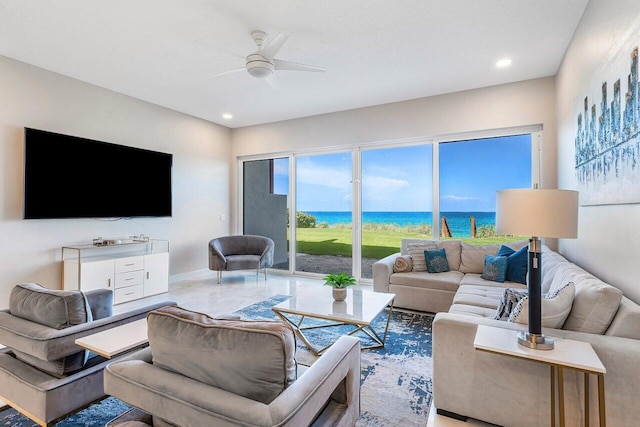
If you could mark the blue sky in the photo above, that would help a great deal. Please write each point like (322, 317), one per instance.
(400, 179)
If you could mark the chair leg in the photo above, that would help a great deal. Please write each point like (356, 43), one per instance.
(265, 274)
(219, 276)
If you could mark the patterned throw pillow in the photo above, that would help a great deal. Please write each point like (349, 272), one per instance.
(495, 268)
(509, 300)
(436, 260)
(517, 263)
(416, 252)
(555, 307)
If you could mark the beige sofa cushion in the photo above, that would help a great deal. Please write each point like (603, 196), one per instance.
(447, 281)
(254, 359)
(452, 248)
(472, 310)
(472, 256)
(475, 279)
(416, 252)
(626, 323)
(595, 302)
(480, 296)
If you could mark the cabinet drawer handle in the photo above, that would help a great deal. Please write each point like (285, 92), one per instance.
(130, 278)
(147, 275)
(109, 283)
(127, 265)
(130, 293)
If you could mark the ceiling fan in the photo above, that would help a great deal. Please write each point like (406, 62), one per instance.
(262, 63)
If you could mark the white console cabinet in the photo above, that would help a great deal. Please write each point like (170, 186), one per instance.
(132, 270)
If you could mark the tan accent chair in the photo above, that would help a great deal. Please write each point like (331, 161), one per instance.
(240, 252)
(203, 371)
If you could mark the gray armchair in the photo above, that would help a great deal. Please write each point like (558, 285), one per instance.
(240, 252)
(235, 373)
(43, 373)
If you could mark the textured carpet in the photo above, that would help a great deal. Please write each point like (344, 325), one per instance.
(96, 415)
(396, 380)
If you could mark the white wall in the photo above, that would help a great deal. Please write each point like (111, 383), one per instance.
(525, 103)
(608, 236)
(33, 97)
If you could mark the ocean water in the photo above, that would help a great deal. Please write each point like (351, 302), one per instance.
(459, 222)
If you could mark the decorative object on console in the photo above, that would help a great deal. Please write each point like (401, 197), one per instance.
(436, 261)
(538, 213)
(339, 282)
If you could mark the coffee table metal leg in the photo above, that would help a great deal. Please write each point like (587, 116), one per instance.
(561, 394)
(586, 399)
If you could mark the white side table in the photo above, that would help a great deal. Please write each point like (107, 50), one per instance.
(576, 355)
(112, 342)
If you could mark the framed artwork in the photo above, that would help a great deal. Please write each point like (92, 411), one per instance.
(607, 142)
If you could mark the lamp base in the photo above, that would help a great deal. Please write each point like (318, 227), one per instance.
(535, 341)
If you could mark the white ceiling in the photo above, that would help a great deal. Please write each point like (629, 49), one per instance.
(374, 51)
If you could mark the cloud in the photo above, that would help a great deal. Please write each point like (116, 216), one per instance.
(378, 183)
(329, 176)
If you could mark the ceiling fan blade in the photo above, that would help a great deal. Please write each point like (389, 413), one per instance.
(224, 73)
(272, 48)
(288, 65)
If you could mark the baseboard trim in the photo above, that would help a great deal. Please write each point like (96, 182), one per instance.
(453, 415)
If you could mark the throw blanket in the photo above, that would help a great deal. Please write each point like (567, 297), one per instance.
(403, 264)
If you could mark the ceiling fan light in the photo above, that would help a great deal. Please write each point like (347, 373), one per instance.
(260, 72)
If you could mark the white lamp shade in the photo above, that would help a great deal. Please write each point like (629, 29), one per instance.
(537, 212)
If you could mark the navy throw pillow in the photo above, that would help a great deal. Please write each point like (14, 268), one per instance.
(517, 263)
(495, 268)
(436, 261)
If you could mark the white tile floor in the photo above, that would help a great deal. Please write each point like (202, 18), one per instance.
(240, 289)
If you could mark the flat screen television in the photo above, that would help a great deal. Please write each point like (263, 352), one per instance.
(71, 177)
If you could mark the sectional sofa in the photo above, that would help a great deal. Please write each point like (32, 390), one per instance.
(508, 391)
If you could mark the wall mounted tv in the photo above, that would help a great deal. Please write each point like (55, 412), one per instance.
(70, 177)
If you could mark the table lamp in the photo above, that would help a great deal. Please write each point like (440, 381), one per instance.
(537, 213)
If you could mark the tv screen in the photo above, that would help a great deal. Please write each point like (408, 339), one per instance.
(71, 177)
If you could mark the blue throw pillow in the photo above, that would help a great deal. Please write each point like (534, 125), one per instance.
(517, 263)
(495, 268)
(436, 261)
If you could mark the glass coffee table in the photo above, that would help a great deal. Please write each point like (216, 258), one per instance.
(313, 309)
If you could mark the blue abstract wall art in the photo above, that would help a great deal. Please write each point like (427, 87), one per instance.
(607, 142)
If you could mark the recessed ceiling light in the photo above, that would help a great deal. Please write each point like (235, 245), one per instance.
(227, 116)
(505, 62)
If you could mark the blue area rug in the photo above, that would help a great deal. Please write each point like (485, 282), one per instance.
(96, 415)
(396, 380)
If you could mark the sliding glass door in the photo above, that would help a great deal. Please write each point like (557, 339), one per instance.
(470, 174)
(323, 213)
(325, 210)
(397, 198)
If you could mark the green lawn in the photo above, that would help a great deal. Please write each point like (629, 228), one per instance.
(375, 244)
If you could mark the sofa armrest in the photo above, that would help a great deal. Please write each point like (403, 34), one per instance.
(184, 401)
(462, 376)
(101, 303)
(382, 270)
(217, 260)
